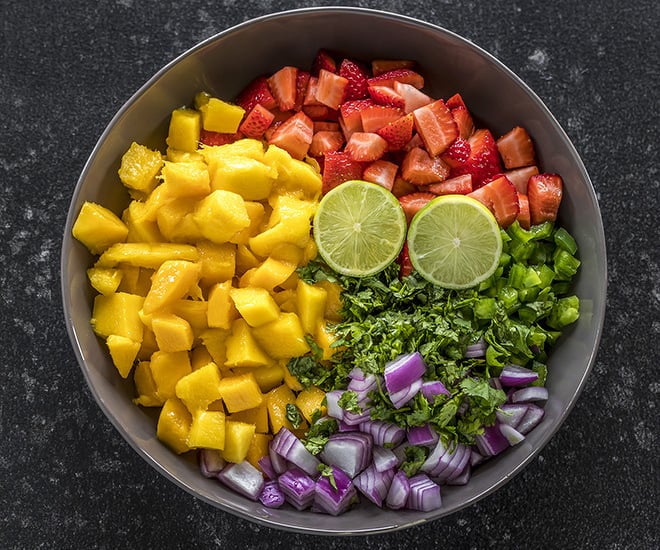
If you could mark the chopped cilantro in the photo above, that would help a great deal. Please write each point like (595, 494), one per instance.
(293, 415)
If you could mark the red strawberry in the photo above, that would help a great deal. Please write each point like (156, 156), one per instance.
(256, 92)
(256, 122)
(339, 167)
(484, 161)
(412, 97)
(516, 148)
(415, 141)
(398, 75)
(457, 153)
(381, 172)
(350, 115)
(384, 95)
(365, 146)
(398, 132)
(463, 120)
(323, 60)
(320, 112)
(302, 81)
(374, 117)
(330, 89)
(209, 138)
(544, 193)
(520, 176)
(414, 202)
(501, 198)
(357, 79)
(282, 85)
(294, 135)
(380, 66)
(460, 185)
(404, 261)
(419, 168)
(524, 218)
(436, 126)
(326, 141)
(320, 125)
(456, 101)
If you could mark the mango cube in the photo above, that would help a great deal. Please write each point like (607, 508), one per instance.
(215, 342)
(276, 401)
(217, 261)
(256, 213)
(139, 168)
(172, 332)
(255, 305)
(220, 215)
(118, 313)
(123, 352)
(257, 416)
(145, 386)
(151, 255)
(242, 349)
(186, 179)
(184, 129)
(251, 148)
(141, 228)
(240, 392)
(174, 424)
(283, 338)
(175, 220)
(167, 368)
(333, 303)
(200, 357)
(238, 437)
(220, 116)
(269, 274)
(98, 228)
(311, 301)
(258, 448)
(221, 310)
(207, 430)
(171, 282)
(105, 280)
(200, 388)
(309, 401)
(193, 311)
(250, 178)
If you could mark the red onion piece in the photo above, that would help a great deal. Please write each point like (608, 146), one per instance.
(332, 403)
(271, 496)
(531, 393)
(356, 374)
(424, 436)
(363, 386)
(397, 496)
(450, 463)
(401, 372)
(297, 487)
(462, 478)
(512, 413)
(491, 442)
(431, 388)
(434, 457)
(384, 433)
(333, 501)
(287, 445)
(531, 419)
(512, 435)
(478, 349)
(384, 459)
(424, 494)
(399, 399)
(349, 451)
(374, 484)
(517, 376)
(210, 462)
(243, 478)
(266, 465)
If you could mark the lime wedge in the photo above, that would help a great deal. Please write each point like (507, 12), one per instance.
(454, 242)
(359, 228)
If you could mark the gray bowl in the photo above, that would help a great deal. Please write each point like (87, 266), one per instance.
(223, 64)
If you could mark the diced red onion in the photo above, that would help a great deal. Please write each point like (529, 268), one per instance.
(272, 496)
(517, 376)
(511, 413)
(462, 478)
(384, 433)
(434, 457)
(352, 419)
(356, 374)
(495, 383)
(463, 465)
(344, 427)
(397, 496)
(374, 484)
(531, 393)
(243, 478)
(424, 435)
(403, 371)
(478, 349)
(277, 461)
(424, 494)
(287, 445)
(210, 462)
(512, 435)
(384, 459)
(431, 388)
(332, 404)
(297, 487)
(476, 457)
(491, 442)
(333, 501)
(531, 419)
(349, 451)
(400, 450)
(459, 458)
(399, 399)
(363, 386)
(266, 465)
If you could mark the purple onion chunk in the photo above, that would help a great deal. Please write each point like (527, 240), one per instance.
(297, 487)
(424, 435)
(517, 376)
(334, 499)
(243, 478)
(384, 459)
(462, 478)
(512, 435)
(397, 496)
(531, 393)
(384, 433)
(431, 388)
(491, 442)
(287, 445)
(451, 463)
(403, 371)
(424, 494)
(531, 419)
(400, 398)
(511, 413)
(210, 462)
(374, 484)
(271, 496)
(349, 451)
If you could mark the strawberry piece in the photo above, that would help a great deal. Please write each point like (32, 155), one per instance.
(320, 125)
(463, 120)
(282, 85)
(460, 185)
(544, 192)
(326, 141)
(419, 168)
(398, 132)
(330, 89)
(398, 75)
(357, 79)
(384, 95)
(380, 66)
(323, 60)
(339, 167)
(207, 137)
(256, 122)
(456, 101)
(404, 261)
(310, 92)
(516, 148)
(257, 92)
(365, 146)
(412, 97)
(520, 176)
(524, 218)
(350, 119)
(501, 198)
(320, 112)
(294, 135)
(457, 153)
(302, 82)
(436, 126)
(375, 116)
(484, 161)
(414, 202)
(403, 187)
(415, 141)
(382, 172)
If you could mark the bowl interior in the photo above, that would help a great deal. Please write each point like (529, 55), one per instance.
(222, 65)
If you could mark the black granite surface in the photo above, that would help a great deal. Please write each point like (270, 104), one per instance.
(68, 480)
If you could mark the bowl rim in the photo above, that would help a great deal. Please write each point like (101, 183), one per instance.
(67, 243)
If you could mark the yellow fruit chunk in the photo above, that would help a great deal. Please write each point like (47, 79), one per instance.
(256, 213)
(200, 388)
(311, 301)
(287, 253)
(141, 228)
(258, 448)
(276, 401)
(149, 345)
(186, 179)
(268, 376)
(269, 274)
(240, 392)
(184, 130)
(245, 260)
(238, 437)
(309, 401)
(242, 349)
(175, 220)
(175, 155)
(145, 386)
(283, 338)
(207, 430)
(105, 280)
(325, 338)
(174, 424)
(167, 368)
(172, 281)
(290, 380)
(220, 116)
(135, 280)
(217, 261)
(150, 255)
(251, 148)
(139, 168)
(333, 300)
(221, 311)
(193, 311)
(257, 416)
(98, 227)
(215, 341)
(123, 351)
(221, 215)
(118, 313)
(250, 178)
(295, 177)
(255, 305)
(172, 332)
(200, 357)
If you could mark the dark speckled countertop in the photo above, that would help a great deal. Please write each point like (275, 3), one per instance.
(68, 480)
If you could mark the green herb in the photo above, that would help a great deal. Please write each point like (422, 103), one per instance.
(349, 402)
(319, 433)
(293, 415)
(326, 471)
(415, 457)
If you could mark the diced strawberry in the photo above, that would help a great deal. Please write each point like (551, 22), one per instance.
(282, 85)
(310, 92)
(520, 176)
(330, 89)
(436, 126)
(412, 97)
(380, 66)
(382, 172)
(256, 92)
(320, 113)
(403, 187)
(374, 117)
(323, 60)
(398, 132)
(302, 81)
(209, 138)
(524, 218)
(398, 75)
(457, 153)
(456, 101)
(463, 120)
(339, 167)
(256, 122)
(294, 135)
(544, 192)
(384, 95)
(326, 141)
(350, 115)
(501, 198)
(357, 79)
(484, 161)
(415, 141)
(365, 146)
(414, 202)
(460, 185)
(419, 168)
(404, 261)
(516, 148)
(320, 125)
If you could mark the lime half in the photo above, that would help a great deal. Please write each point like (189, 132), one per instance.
(454, 242)
(359, 228)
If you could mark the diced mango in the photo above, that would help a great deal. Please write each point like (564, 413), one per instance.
(220, 215)
(215, 341)
(175, 155)
(98, 228)
(310, 401)
(174, 424)
(171, 282)
(269, 274)
(123, 351)
(268, 376)
(295, 177)
(172, 332)
(139, 168)
(245, 260)
(150, 255)
(258, 448)
(200, 357)
(167, 369)
(186, 179)
(149, 344)
(207, 430)
(217, 261)
(238, 437)
(288, 253)
(135, 280)
(256, 415)
(221, 310)
(145, 387)
(311, 301)
(193, 311)
(141, 227)
(276, 401)
(184, 129)
(200, 388)
(291, 380)
(286, 225)
(176, 222)
(242, 349)
(105, 280)
(250, 178)
(240, 392)
(255, 305)
(257, 214)
(118, 313)
(283, 338)
(333, 300)
(325, 338)
(251, 148)
(220, 116)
